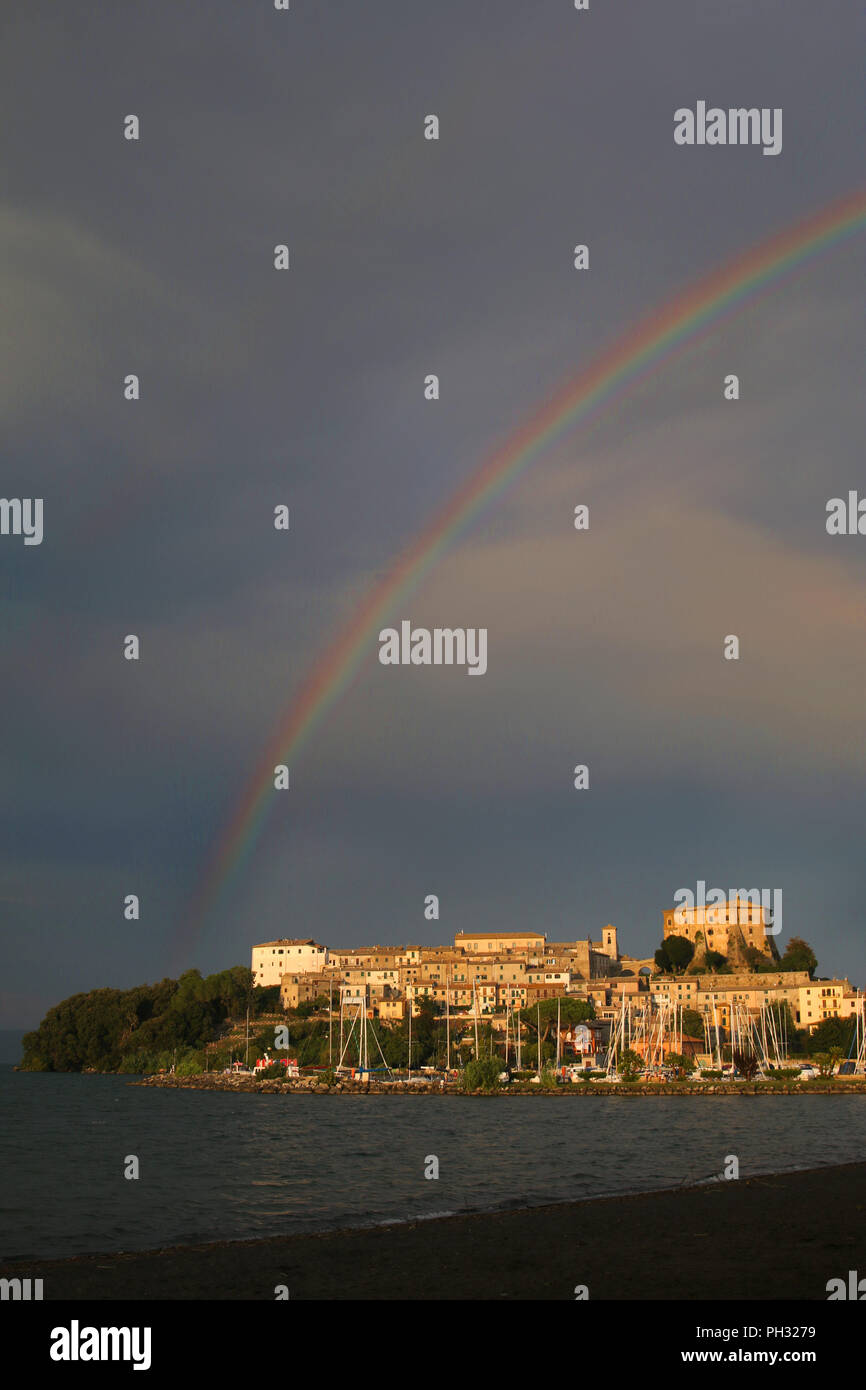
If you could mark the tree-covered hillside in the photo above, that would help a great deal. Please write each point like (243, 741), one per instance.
(144, 1028)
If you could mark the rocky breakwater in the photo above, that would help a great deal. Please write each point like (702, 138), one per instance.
(312, 1085)
(304, 1085)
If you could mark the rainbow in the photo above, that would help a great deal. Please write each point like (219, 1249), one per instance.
(629, 360)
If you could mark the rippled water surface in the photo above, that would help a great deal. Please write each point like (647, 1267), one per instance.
(221, 1167)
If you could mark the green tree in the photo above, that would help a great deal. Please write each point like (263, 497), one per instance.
(630, 1065)
(717, 963)
(481, 1075)
(758, 962)
(111, 1029)
(693, 1024)
(799, 956)
(746, 1063)
(674, 954)
(825, 1063)
(683, 1064)
(571, 1011)
(834, 1032)
(262, 1000)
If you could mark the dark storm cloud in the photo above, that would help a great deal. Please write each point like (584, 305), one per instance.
(257, 388)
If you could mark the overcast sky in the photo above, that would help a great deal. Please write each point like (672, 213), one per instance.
(408, 257)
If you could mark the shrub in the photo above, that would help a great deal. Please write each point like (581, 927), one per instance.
(682, 1064)
(630, 1065)
(482, 1075)
(746, 1064)
(275, 1072)
(190, 1064)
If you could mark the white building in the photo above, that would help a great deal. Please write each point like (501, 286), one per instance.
(273, 959)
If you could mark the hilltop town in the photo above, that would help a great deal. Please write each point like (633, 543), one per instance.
(718, 968)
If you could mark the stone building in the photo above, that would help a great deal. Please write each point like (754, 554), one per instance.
(271, 960)
(302, 989)
(728, 927)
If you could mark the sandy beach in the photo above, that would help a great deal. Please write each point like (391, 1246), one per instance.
(781, 1236)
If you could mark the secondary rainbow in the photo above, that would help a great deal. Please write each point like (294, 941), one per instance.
(637, 353)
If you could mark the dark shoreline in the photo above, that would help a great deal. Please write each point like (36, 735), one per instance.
(779, 1236)
(308, 1086)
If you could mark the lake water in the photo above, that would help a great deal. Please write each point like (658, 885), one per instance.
(219, 1167)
